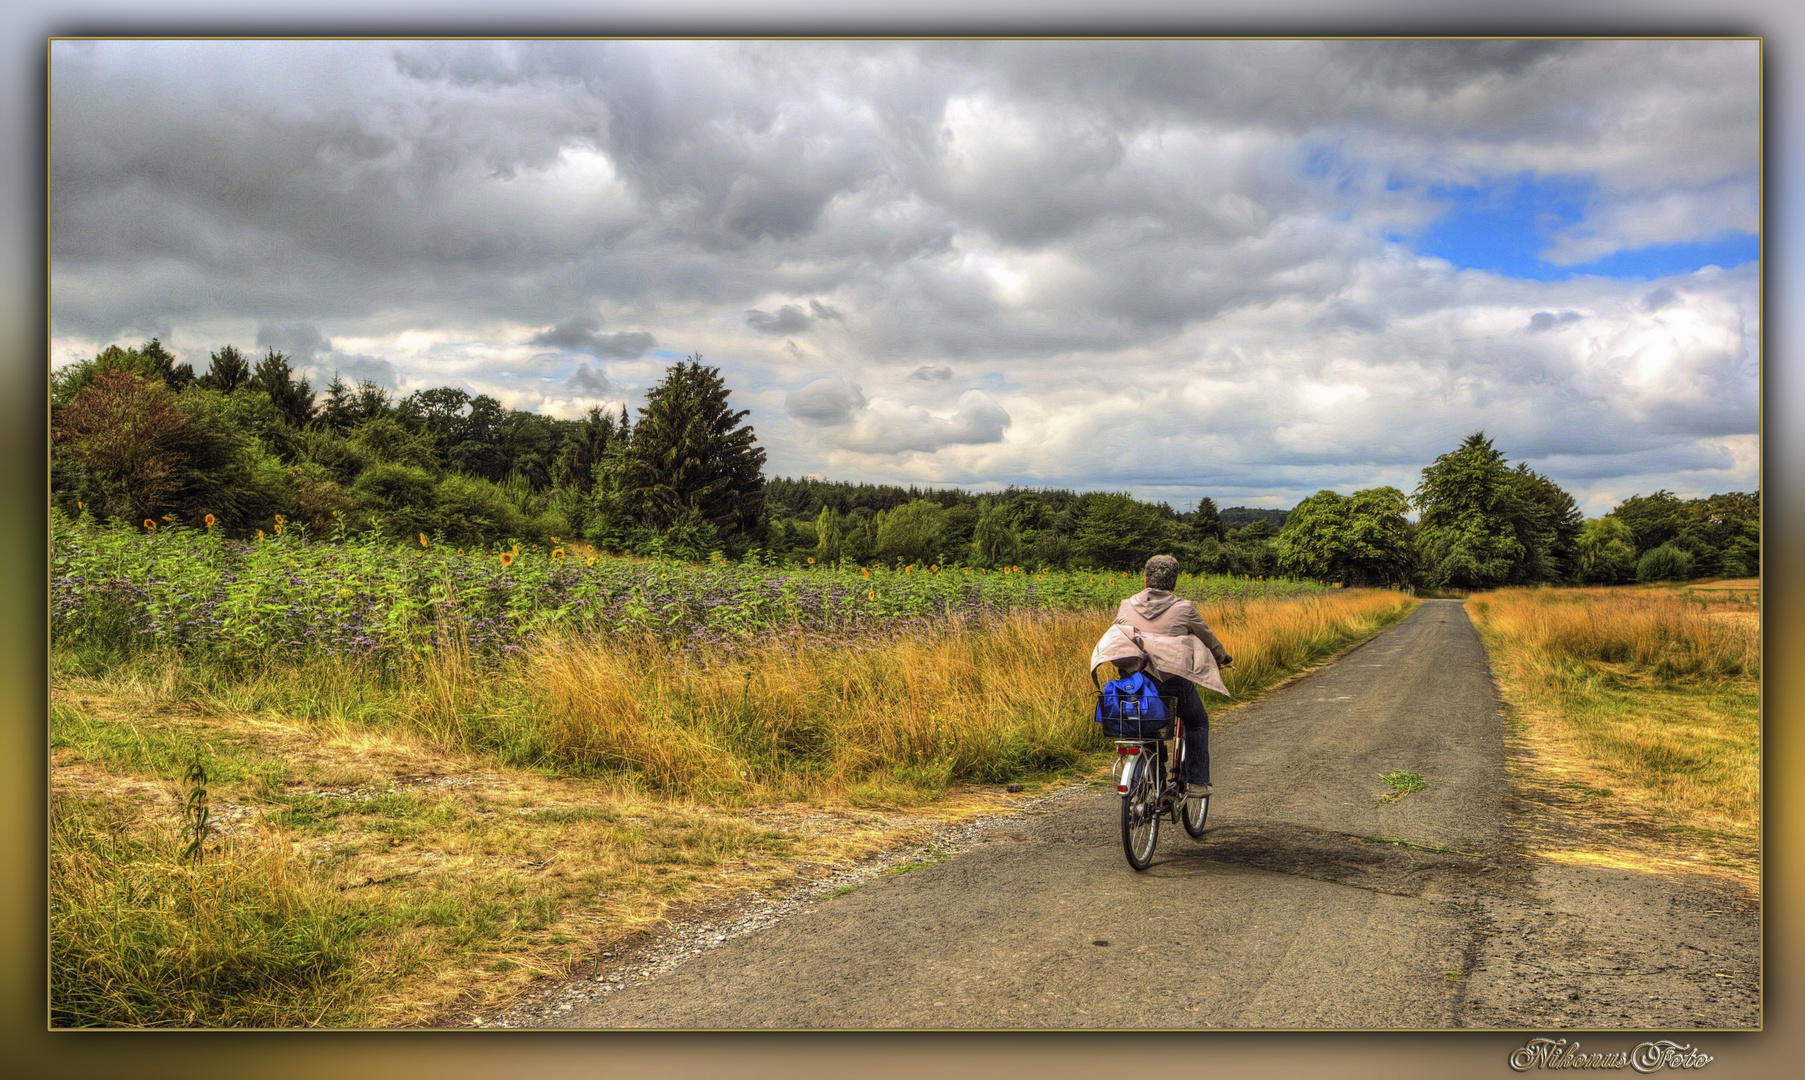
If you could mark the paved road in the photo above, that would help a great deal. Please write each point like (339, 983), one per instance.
(1296, 910)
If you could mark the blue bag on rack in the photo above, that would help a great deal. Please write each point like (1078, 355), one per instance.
(1131, 708)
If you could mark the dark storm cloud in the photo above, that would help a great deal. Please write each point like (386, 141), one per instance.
(581, 333)
(932, 373)
(300, 342)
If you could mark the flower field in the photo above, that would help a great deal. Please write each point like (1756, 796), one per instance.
(285, 597)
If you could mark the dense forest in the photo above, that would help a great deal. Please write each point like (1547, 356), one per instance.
(141, 439)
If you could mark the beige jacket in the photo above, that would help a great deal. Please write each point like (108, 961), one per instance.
(1157, 630)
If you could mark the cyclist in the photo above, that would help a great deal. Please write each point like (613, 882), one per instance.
(1155, 610)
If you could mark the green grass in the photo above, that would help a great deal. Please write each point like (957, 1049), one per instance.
(245, 939)
(1401, 784)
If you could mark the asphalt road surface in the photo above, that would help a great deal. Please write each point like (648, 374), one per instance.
(1309, 903)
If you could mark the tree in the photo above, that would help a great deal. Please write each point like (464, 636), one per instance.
(1605, 552)
(911, 532)
(1470, 504)
(440, 411)
(994, 541)
(129, 444)
(830, 540)
(1664, 563)
(1361, 539)
(1206, 521)
(1653, 519)
(689, 451)
(149, 361)
(1548, 528)
(1119, 532)
(230, 371)
(294, 397)
(582, 452)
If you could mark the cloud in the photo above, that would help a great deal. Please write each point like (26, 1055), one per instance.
(580, 334)
(1543, 321)
(301, 342)
(788, 319)
(825, 402)
(1221, 234)
(356, 369)
(587, 380)
(884, 427)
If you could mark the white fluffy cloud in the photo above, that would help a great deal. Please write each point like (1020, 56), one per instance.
(1180, 268)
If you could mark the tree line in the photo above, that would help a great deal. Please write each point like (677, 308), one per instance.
(138, 437)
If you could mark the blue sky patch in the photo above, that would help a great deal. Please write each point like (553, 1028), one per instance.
(1503, 227)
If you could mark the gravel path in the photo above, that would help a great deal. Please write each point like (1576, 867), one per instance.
(1309, 903)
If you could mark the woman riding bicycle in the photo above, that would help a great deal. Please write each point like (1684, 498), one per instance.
(1156, 611)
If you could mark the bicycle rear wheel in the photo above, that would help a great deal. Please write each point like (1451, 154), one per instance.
(1140, 817)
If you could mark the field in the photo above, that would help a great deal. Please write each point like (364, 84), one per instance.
(1636, 715)
(468, 771)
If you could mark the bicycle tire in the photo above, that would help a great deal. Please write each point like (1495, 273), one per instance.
(1195, 828)
(1140, 819)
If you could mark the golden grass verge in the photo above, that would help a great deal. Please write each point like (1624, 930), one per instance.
(1635, 721)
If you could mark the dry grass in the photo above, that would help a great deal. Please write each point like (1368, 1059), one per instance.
(1646, 701)
(457, 832)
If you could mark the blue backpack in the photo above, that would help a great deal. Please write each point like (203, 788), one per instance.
(1131, 708)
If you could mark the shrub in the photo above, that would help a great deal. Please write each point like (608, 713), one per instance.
(1665, 563)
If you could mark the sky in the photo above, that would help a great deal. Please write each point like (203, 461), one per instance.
(1243, 269)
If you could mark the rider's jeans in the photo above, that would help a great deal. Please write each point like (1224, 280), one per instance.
(1197, 728)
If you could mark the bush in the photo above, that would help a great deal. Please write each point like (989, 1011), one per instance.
(1665, 563)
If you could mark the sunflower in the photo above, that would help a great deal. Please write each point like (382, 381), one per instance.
(591, 560)
(866, 570)
(278, 526)
(209, 520)
(278, 519)
(259, 534)
(507, 558)
(151, 525)
(811, 560)
(168, 517)
(871, 595)
(557, 553)
(423, 540)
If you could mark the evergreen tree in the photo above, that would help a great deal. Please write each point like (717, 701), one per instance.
(582, 452)
(230, 371)
(1470, 504)
(1206, 522)
(292, 396)
(339, 410)
(689, 451)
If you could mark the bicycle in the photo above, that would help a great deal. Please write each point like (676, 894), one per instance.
(1144, 781)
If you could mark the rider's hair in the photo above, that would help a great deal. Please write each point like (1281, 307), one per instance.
(1162, 572)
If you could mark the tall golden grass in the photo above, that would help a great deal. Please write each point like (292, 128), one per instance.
(915, 713)
(1656, 687)
(879, 720)
(1665, 634)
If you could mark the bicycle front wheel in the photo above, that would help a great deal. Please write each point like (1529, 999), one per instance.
(1195, 811)
(1140, 819)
